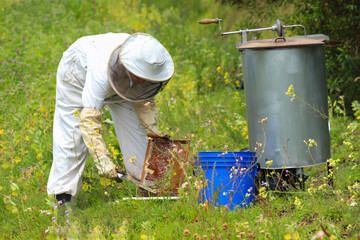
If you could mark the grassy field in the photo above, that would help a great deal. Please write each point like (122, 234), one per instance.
(202, 103)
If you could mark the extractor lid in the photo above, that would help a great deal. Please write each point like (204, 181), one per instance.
(318, 39)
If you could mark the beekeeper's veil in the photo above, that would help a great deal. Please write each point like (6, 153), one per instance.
(145, 57)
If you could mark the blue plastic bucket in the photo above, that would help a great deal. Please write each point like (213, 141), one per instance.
(229, 178)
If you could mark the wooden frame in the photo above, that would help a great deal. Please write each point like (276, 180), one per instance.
(165, 159)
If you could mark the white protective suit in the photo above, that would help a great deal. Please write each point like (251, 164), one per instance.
(83, 87)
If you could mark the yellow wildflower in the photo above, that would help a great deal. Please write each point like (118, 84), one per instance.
(287, 236)
(312, 142)
(290, 90)
(298, 202)
(76, 113)
(269, 163)
(132, 159)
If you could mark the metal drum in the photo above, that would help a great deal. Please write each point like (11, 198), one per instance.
(280, 128)
(285, 132)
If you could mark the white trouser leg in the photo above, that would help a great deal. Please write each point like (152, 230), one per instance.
(69, 150)
(69, 153)
(131, 136)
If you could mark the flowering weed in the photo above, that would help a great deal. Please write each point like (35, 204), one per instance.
(203, 103)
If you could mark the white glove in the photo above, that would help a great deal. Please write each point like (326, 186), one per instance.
(90, 127)
(106, 168)
(148, 115)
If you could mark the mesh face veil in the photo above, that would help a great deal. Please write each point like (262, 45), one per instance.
(127, 89)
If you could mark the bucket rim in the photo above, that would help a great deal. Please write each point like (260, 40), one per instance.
(225, 155)
(227, 152)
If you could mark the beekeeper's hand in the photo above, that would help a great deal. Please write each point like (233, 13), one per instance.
(148, 115)
(154, 132)
(106, 168)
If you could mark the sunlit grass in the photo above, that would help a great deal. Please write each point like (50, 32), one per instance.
(202, 103)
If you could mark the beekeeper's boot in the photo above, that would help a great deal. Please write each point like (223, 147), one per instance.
(63, 198)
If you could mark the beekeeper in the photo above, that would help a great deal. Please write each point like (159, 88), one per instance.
(121, 71)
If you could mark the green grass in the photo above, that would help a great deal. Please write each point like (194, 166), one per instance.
(198, 104)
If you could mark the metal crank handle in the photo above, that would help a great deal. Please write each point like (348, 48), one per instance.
(209, 20)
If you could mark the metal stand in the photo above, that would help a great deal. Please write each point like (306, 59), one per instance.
(281, 179)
